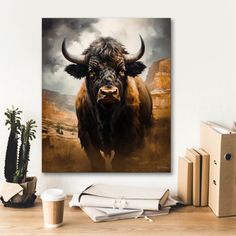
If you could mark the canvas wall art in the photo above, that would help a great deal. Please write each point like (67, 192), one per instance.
(106, 95)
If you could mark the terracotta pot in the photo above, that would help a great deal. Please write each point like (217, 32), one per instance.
(25, 199)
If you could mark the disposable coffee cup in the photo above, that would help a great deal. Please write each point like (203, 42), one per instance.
(53, 207)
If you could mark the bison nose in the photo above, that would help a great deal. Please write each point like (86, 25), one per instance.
(108, 95)
(109, 91)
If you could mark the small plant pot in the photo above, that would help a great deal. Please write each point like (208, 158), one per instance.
(25, 199)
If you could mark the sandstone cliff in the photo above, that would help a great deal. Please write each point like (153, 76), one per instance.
(159, 74)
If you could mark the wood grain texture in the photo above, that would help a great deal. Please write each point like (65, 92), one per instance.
(185, 221)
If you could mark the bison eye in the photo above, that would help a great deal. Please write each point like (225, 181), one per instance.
(92, 74)
(122, 73)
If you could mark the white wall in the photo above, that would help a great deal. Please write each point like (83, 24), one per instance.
(203, 72)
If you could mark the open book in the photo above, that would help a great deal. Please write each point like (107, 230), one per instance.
(107, 203)
(109, 214)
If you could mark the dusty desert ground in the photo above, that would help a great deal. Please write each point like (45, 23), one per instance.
(62, 151)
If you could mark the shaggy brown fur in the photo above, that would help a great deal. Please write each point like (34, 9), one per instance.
(117, 127)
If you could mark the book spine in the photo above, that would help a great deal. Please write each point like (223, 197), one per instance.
(205, 180)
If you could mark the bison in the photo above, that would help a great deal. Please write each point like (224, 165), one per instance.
(113, 105)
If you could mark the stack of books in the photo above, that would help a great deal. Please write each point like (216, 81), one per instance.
(193, 177)
(103, 202)
(207, 174)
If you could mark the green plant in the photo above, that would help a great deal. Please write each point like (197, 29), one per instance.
(13, 120)
(16, 165)
(27, 134)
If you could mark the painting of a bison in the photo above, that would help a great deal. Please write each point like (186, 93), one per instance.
(113, 106)
(99, 113)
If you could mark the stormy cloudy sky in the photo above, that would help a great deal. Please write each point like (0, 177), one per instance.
(81, 32)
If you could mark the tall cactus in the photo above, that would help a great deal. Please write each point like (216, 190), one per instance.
(18, 177)
(13, 120)
(27, 134)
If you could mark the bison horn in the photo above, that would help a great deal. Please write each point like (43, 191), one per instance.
(71, 58)
(134, 57)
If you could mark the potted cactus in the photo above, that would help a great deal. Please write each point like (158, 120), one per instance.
(18, 190)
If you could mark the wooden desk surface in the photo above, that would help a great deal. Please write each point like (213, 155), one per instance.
(184, 221)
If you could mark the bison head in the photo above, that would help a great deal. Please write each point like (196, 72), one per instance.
(106, 65)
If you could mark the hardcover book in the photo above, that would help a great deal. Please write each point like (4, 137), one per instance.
(204, 176)
(193, 156)
(185, 180)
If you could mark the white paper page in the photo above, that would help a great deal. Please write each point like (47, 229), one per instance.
(94, 201)
(111, 211)
(98, 215)
(113, 191)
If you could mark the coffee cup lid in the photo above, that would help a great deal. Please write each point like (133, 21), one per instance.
(53, 194)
